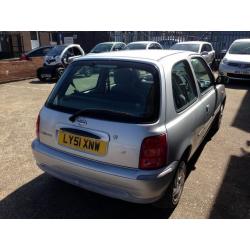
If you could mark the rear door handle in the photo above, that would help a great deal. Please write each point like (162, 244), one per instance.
(207, 108)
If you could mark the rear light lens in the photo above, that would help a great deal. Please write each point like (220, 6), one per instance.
(153, 153)
(24, 57)
(38, 126)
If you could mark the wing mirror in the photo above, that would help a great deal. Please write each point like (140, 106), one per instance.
(221, 80)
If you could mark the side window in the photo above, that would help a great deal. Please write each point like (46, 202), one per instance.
(123, 46)
(154, 46)
(45, 51)
(204, 48)
(76, 51)
(151, 46)
(68, 53)
(209, 48)
(157, 46)
(36, 53)
(183, 85)
(203, 74)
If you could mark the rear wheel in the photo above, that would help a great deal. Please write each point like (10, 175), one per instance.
(59, 72)
(39, 72)
(173, 194)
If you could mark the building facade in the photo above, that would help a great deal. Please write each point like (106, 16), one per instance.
(13, 44)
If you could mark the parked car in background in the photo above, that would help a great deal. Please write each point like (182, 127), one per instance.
(168, 43)
(204, 48)
(236, 62)
(57, 59)
(41, 51)
(108, 46)
(129, 130)
(222, 53)
(143, 45)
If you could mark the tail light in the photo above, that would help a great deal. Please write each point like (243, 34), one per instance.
(153, 153)
(24, 57)
(38, 126)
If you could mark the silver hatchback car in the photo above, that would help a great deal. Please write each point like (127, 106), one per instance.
(128, 130)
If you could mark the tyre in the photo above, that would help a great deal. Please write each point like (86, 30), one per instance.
(39, 72)
(217, 122)
(59, 72)
(173, 194)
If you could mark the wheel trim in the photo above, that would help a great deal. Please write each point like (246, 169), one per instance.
(221, 114)
(179, 183)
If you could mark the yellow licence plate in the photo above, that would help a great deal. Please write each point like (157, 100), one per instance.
(82, 143)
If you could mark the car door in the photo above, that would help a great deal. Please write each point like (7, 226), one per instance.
(206, 84)
(189, 118)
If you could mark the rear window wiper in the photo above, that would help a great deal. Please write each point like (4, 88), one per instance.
(103, 113)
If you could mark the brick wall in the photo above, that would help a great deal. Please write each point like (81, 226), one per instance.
(18, 70)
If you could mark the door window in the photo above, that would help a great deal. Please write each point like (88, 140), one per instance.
(68, 53)
(209, 48)
(183, 85)
(203, 74)
(204, 48)
(76, 51)
(154, 46)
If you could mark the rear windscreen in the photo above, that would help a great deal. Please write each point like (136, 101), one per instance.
(110, 90)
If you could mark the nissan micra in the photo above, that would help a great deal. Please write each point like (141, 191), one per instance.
(128, 130)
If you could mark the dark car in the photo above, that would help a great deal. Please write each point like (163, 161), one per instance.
(37, 52)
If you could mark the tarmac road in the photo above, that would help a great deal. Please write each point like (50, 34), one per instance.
(218, 185)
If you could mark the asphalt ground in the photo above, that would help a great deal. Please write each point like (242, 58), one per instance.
(217, 186)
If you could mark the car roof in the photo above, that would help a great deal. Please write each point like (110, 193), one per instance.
(42, 47)
(242, 40)
(193, 42)
(155, 55)
(143, 42)
(109, 43)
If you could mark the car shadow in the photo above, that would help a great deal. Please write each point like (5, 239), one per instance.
(233, 198)
(242, 120)
(237, 84)
(36, 81)
(48, 197)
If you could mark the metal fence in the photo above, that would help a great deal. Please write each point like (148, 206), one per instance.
(221, 40)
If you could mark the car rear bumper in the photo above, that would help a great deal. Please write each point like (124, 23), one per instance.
(134, 185)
